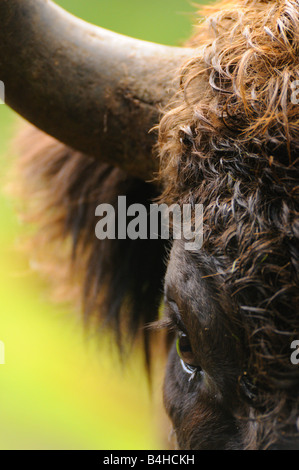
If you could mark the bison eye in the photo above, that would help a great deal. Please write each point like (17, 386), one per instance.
(184, 349)
(186, 355)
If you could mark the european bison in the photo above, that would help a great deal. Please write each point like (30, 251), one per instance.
(228, 139)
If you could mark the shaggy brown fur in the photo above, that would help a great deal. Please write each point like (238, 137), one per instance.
(117, 283)
(230, 141)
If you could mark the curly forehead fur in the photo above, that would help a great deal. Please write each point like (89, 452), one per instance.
(230, 141)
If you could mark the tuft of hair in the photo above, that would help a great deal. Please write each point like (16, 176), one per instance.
(117, 283)
(230, 141)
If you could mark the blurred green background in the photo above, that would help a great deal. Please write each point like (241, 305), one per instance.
(57, 390)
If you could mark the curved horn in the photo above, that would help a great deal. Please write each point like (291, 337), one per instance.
(96, 91)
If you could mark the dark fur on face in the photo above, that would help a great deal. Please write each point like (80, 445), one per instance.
(224, 406)
(229, 141)
(202, 409)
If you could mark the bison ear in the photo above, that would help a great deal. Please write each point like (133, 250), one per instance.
(117, 283)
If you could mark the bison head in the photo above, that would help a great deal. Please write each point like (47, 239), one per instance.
(230, 142)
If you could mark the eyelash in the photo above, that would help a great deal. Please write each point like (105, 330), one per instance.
(169, 324)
